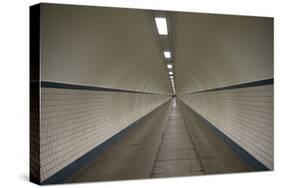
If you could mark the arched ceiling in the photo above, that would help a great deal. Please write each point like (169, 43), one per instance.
(108, 47)
(213, 51)
(118, 48)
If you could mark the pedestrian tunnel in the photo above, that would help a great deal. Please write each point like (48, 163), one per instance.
(130, 94)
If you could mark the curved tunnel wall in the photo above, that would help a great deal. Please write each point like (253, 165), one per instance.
(91, 47)
(245, 115)
(74, 122)
(106, 47)
(218, 52)
(214, 51)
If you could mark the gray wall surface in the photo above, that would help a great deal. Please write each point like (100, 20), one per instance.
(220, 50)
(105, 47)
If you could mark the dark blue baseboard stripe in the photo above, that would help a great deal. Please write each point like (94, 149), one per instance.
(251, 160)
(62, 175)
(48, 84)
(249, 84)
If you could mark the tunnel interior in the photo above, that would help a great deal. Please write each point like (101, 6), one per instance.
(121, 99)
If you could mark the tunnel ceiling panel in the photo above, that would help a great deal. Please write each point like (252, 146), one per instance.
(218, 50)
(108, 47)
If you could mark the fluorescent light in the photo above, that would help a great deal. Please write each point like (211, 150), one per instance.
(170, 73)
(161, 24)
(169, 66)
(171, 77)
(167, 54)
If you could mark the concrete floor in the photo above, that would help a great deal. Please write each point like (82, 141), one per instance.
(171, 141)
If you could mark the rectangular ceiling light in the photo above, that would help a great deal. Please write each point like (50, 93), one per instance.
(167, 54)
(169, 66)
(161, 24)
(171, 77)
(170, 73)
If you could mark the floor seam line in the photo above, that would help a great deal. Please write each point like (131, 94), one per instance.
(158, 150)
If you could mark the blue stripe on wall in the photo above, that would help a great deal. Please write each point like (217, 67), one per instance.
(249, 84)
(48, 84)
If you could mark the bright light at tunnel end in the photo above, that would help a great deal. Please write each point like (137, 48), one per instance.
(161, 24)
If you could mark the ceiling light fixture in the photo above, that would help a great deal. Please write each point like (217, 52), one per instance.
(167, 54)
(169, 66)
(161, 24)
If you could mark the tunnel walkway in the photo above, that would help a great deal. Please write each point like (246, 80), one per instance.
(176, 155)
(171, 141)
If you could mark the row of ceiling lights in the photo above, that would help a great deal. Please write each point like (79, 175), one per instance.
(162, 27)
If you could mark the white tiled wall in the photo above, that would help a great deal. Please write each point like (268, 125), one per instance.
(34, 135)
(75, 121)
(245, 115)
